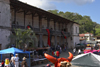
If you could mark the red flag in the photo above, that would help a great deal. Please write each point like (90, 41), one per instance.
(64, 34)
(28, 27)
(48, 36)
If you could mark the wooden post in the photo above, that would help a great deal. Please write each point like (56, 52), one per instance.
(48, 23)
(54, 25)
(33, 21)
(15, 16)
(40, 23)
(59, 27)
(24, 18)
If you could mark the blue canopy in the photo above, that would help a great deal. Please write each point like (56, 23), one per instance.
(13, 51)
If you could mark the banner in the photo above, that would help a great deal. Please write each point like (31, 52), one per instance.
(63, 34)
(48, 37)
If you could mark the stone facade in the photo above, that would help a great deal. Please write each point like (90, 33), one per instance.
(39, 26)
(5, 23)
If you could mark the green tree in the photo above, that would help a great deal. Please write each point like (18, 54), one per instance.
(22, 38)
(61, 13)
(53, 11)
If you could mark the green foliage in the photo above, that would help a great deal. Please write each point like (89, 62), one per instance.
(23, 38)
(98, 31)
(86, 23)
(54, 11)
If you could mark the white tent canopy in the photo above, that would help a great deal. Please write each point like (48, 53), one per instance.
(88, 59)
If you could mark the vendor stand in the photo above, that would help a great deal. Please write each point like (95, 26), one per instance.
(14, 51)
(37, 55)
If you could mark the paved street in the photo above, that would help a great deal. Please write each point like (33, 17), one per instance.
(63, 54)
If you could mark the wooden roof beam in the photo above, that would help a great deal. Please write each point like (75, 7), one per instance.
(20, 11)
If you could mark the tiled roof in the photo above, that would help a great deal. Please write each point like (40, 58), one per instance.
(82, 39)
(81, 35)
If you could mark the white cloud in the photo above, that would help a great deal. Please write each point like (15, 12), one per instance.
(81, 2)
(47, 4)
(44, 4)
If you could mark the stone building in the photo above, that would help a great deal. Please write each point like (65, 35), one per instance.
(16, 14)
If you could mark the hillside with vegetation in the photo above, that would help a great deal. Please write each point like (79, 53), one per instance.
(86, 23)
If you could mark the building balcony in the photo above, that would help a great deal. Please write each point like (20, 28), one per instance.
(17, 26)
(36, 30)
(67, 34)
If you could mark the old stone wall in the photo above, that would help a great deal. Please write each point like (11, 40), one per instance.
(5, 23)
(5, 15)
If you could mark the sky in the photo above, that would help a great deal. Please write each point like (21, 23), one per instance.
(83, 7)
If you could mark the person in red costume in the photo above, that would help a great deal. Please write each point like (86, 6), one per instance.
(60, 62)
(57, 53)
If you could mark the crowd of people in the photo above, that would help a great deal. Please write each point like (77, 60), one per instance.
(14, 62)
(59, 48)
(38, 54)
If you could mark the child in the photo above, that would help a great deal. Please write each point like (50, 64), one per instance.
(7, 63)
(2, 63)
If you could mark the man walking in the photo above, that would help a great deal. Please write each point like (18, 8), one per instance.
(74, 51)
(12, 60)
(79, 51)
(16, 60)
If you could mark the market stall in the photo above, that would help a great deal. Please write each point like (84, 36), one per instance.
(14, 51)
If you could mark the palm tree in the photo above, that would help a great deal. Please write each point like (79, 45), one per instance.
(22, 38)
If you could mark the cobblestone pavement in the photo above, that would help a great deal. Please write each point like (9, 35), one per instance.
(63, 54)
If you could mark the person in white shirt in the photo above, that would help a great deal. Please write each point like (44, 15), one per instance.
(12, 60)
(74, 51)
(16, 60)
(79, 51)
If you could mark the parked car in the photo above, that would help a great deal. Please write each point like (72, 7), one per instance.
(80, 46)
(89, 49)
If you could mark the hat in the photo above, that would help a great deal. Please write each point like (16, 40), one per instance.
(24, 58)
(48, 65)
(16, 54)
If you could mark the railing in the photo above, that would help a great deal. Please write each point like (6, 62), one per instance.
(18, 26)
(58, 32)
(67, 34)
(36, 30)
(43, 30)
